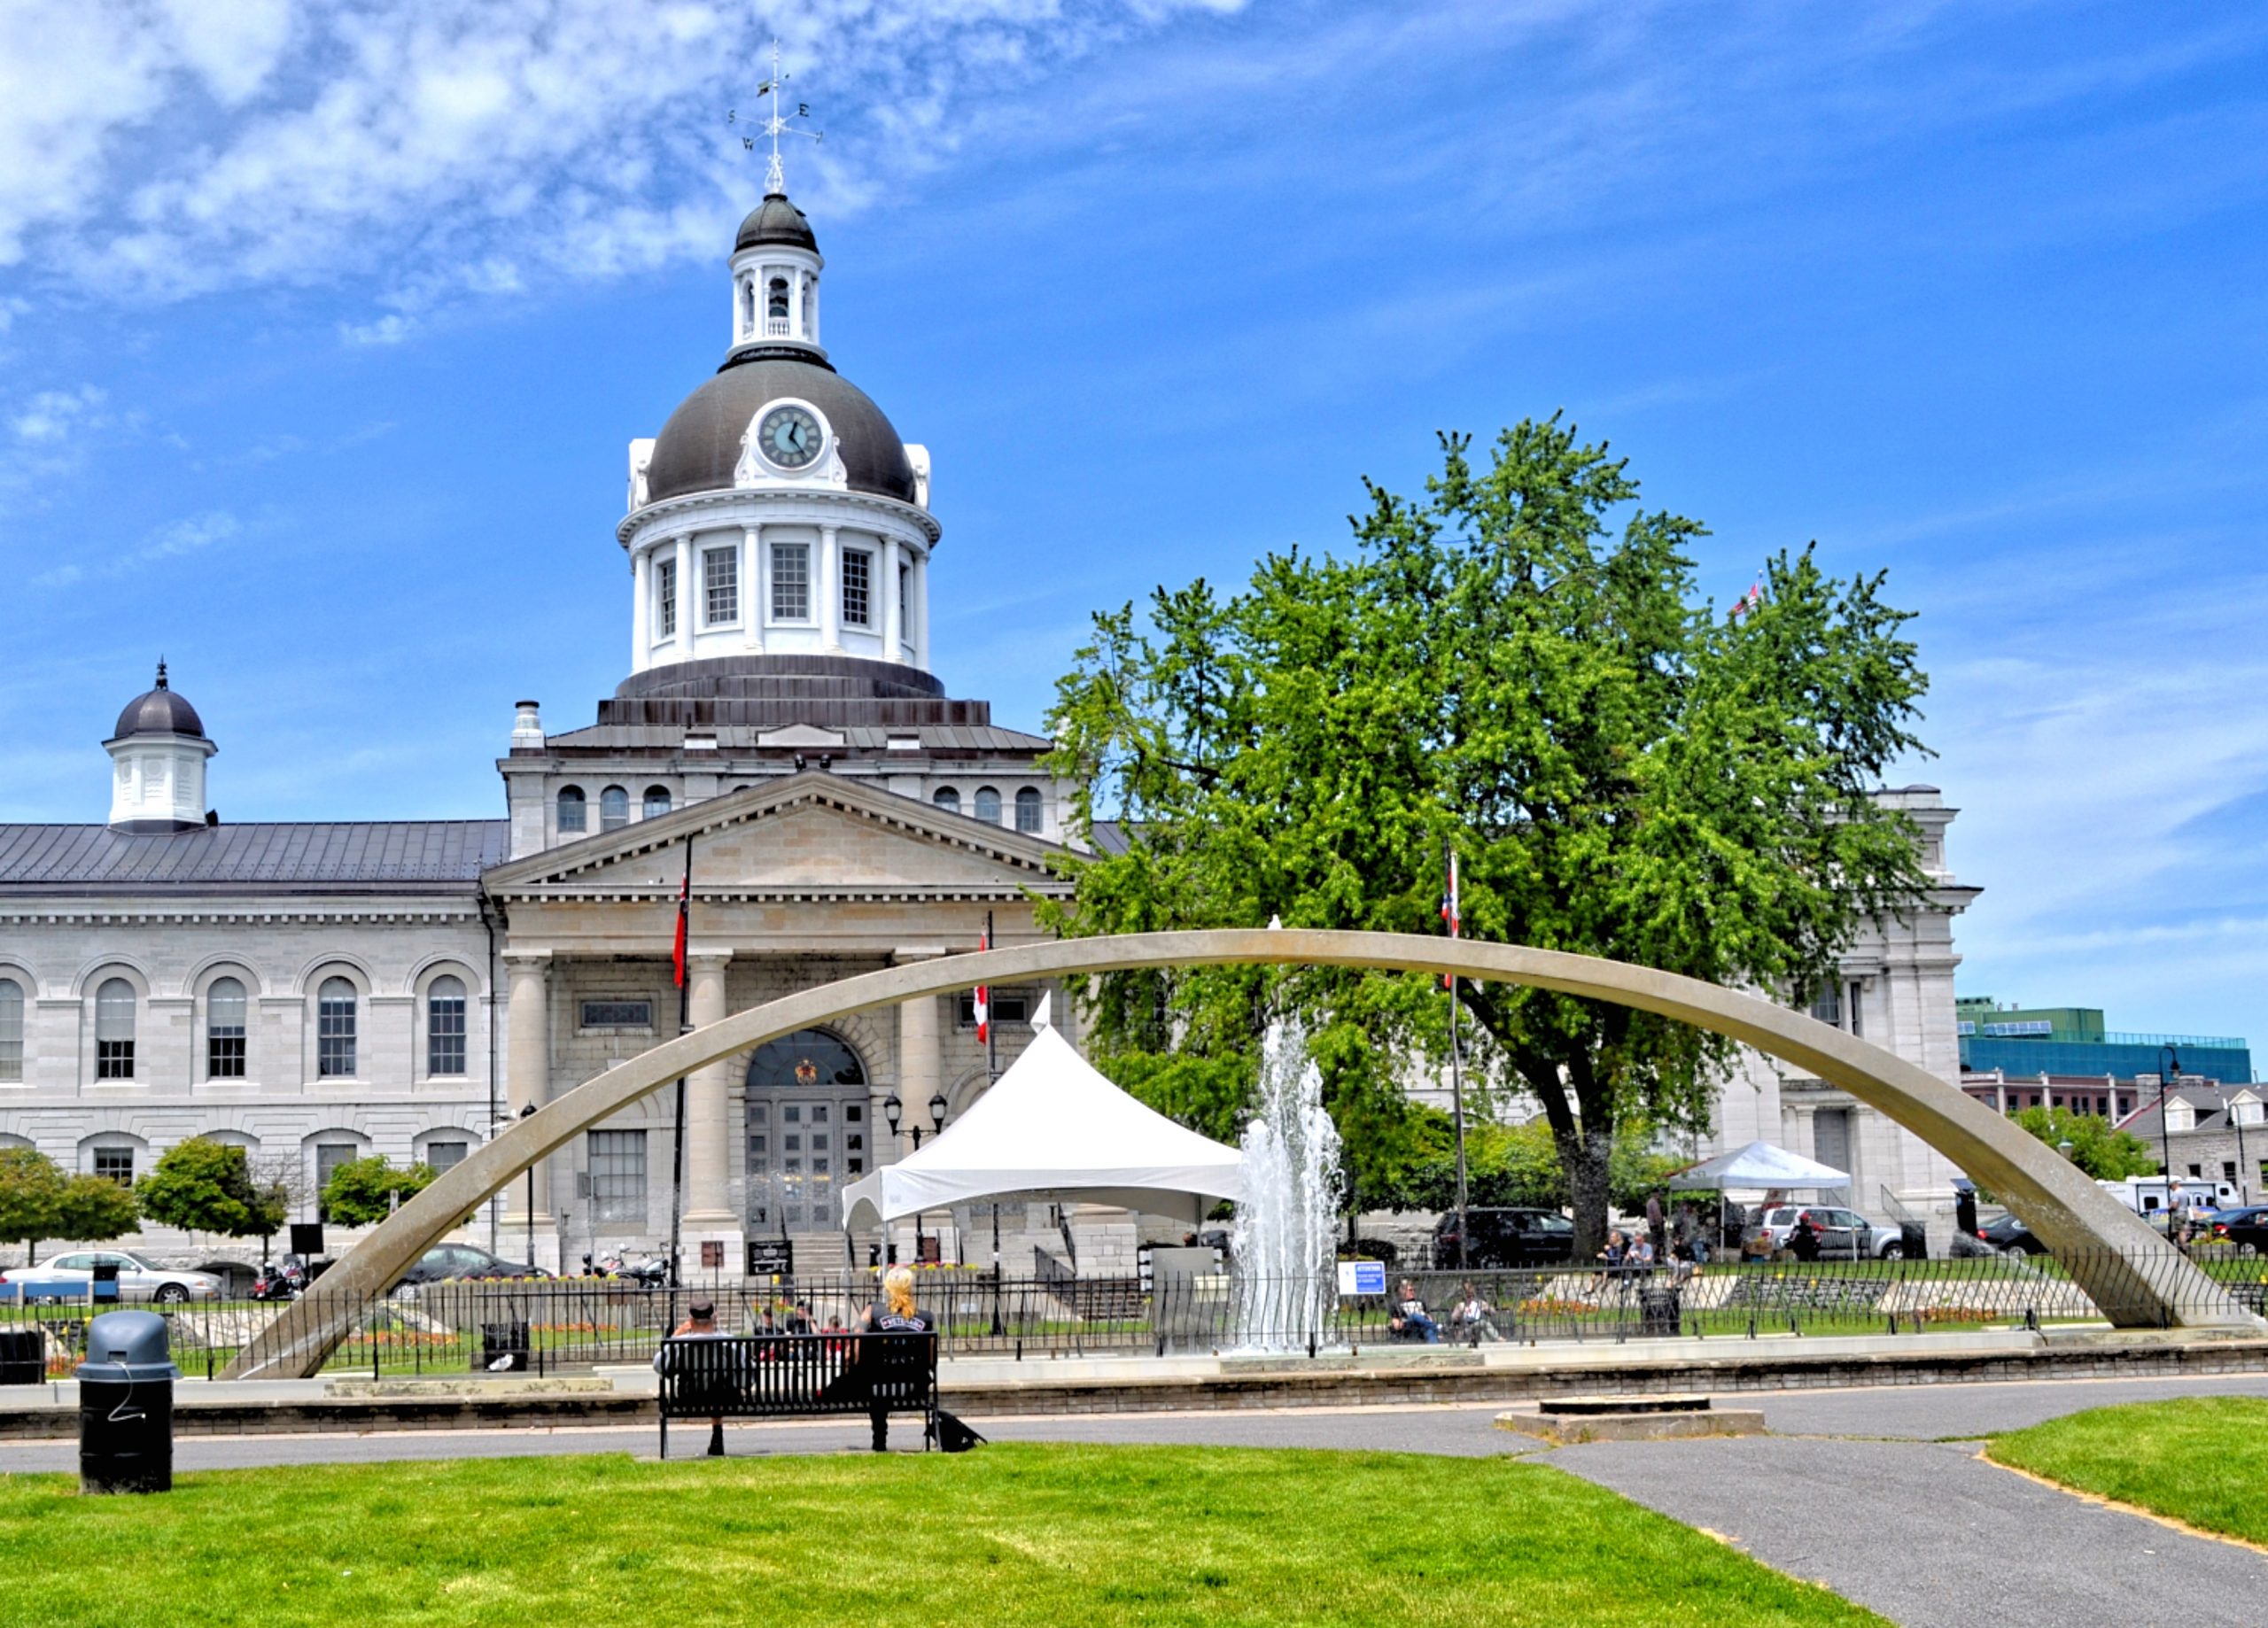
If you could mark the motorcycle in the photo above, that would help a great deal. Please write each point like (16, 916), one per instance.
(645, 1273)
(281, 1280)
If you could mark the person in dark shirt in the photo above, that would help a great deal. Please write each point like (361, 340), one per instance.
(894, 1313)
(700, 1324)
(1410, 1321)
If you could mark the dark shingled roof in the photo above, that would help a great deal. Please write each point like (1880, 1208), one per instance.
(411, 855)
(698, 448)
(775, 220)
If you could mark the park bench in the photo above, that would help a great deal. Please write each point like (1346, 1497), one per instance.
(798, 1376)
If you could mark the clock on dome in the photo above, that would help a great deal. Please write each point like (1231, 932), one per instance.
(790, 436)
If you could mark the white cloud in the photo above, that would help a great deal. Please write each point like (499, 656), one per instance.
(53, 415)
(391, 328)
(189, 535)
(460, 147)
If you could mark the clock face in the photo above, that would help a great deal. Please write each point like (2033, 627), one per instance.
(789, 436)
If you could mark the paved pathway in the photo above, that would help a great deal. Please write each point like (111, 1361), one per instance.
(1854, 1489)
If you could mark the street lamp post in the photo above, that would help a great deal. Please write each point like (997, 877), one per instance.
(2243, 1184)
(524, 1113)
(893, 1110)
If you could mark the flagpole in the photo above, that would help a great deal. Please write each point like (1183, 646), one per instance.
(1450, 909)
(684, 1025)
(992, 1073)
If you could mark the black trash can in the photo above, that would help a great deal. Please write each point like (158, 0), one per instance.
(503, 1348)
(1659, 1312)
(125, 1406)
(1914, 1237)
(23, 1356)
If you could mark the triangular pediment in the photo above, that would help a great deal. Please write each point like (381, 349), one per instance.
(808, 835)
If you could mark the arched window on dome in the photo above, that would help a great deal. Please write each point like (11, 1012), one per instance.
(988, 805)
(114, 1030)
(657, 802)
(574, 810)
(224, 1029)
(1028, 807)
(946, 798)
(775, 308)
(614, 809)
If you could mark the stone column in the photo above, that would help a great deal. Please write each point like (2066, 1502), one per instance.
(708, 1214)
(918, 607)
(893, 619)
(830, 593)
(527, 1081)
(642, 609)
(751, 586)
(687, 598)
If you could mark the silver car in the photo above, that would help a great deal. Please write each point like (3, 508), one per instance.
(1840, 1231)
(137, 1279)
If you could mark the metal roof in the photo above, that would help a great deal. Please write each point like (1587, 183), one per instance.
(938, 739)
(417, 855)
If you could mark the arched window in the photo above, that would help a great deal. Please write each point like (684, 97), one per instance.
(946, 798)
(574, 810)
(114, 1030)
(614, 809)
(657, 801)
(224, 1030)
(775, 307)
(11, 1029)
(988, 805)
(445, 1025)
(335, 1030)
(1028, 810)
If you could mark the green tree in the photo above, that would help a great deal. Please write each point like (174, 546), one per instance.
(201, 1185)
(31, 1191)
(1625, 772)
(93, 1208)
(363, 1190)
(2099, 1148)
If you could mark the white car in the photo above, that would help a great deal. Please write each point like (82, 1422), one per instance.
(1838, 1230)
(138, 1280)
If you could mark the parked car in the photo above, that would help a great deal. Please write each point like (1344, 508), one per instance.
(1506, 1238)
(69, 1276)
(454, 1261)
(1844, 1234)
(2246, 1224)
(2010, 1235)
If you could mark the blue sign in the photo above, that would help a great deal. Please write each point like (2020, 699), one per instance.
(1357, 1278)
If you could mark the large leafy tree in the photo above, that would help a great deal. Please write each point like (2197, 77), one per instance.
(1519, 662)
(363, 1190)
(2098, 1147)
(201, 1185)
(93, 1208)
(31, 1193)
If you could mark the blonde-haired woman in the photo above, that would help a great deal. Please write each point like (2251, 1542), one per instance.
(894, 1313)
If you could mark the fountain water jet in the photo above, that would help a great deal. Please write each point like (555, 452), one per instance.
(1286, 1225)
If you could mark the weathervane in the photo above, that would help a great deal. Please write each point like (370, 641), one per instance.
(775, 125)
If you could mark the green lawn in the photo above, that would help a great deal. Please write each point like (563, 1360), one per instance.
(1008, 1534)
(2201, 1459)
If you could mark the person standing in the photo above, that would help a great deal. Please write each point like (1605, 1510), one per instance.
(894, 1313)
(1657, 1225)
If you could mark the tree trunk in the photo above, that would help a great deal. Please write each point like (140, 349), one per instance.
(1583, 1154)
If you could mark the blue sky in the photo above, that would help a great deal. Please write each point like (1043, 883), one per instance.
(322, 331)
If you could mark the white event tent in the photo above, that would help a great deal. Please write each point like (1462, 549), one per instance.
(1759, 1164)
(1053, 1129)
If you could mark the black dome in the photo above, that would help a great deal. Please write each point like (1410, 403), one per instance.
(775, 220)
(161, 711)
(698, 448)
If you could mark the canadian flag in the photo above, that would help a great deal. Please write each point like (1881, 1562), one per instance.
(1452, 911)
(983, 1002)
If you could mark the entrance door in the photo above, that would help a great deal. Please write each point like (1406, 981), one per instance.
(806, 1132)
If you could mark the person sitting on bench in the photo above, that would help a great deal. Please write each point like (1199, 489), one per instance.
(894, 1313)
(700, 1324)
(1410, 1320)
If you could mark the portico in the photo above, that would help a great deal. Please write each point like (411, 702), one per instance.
(797, 883)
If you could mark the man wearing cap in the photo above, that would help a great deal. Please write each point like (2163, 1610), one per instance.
(700, 1324)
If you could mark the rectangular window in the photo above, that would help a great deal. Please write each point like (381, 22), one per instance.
(721, 586)
(445, 1155)
(445, 1034)
(1827, 1005)
(1857, 1032)
(618, 1014)
(904, 621)
(857, 588)
(666, 599)
(791, 582)
(224, 1053)
(335, 1039)
(618, 1176)
(11, 1029)
(328, 1157)
(115, 1165)
(1008, 1006)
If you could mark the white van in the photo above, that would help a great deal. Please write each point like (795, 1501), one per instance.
(2144, 1194)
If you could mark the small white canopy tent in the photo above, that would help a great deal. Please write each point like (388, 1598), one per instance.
(1053, 1129)
(1759, 1164)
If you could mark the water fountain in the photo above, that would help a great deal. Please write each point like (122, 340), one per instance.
(1286, 1226)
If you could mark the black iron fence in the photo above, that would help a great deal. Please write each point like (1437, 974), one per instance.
(574, 1325)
